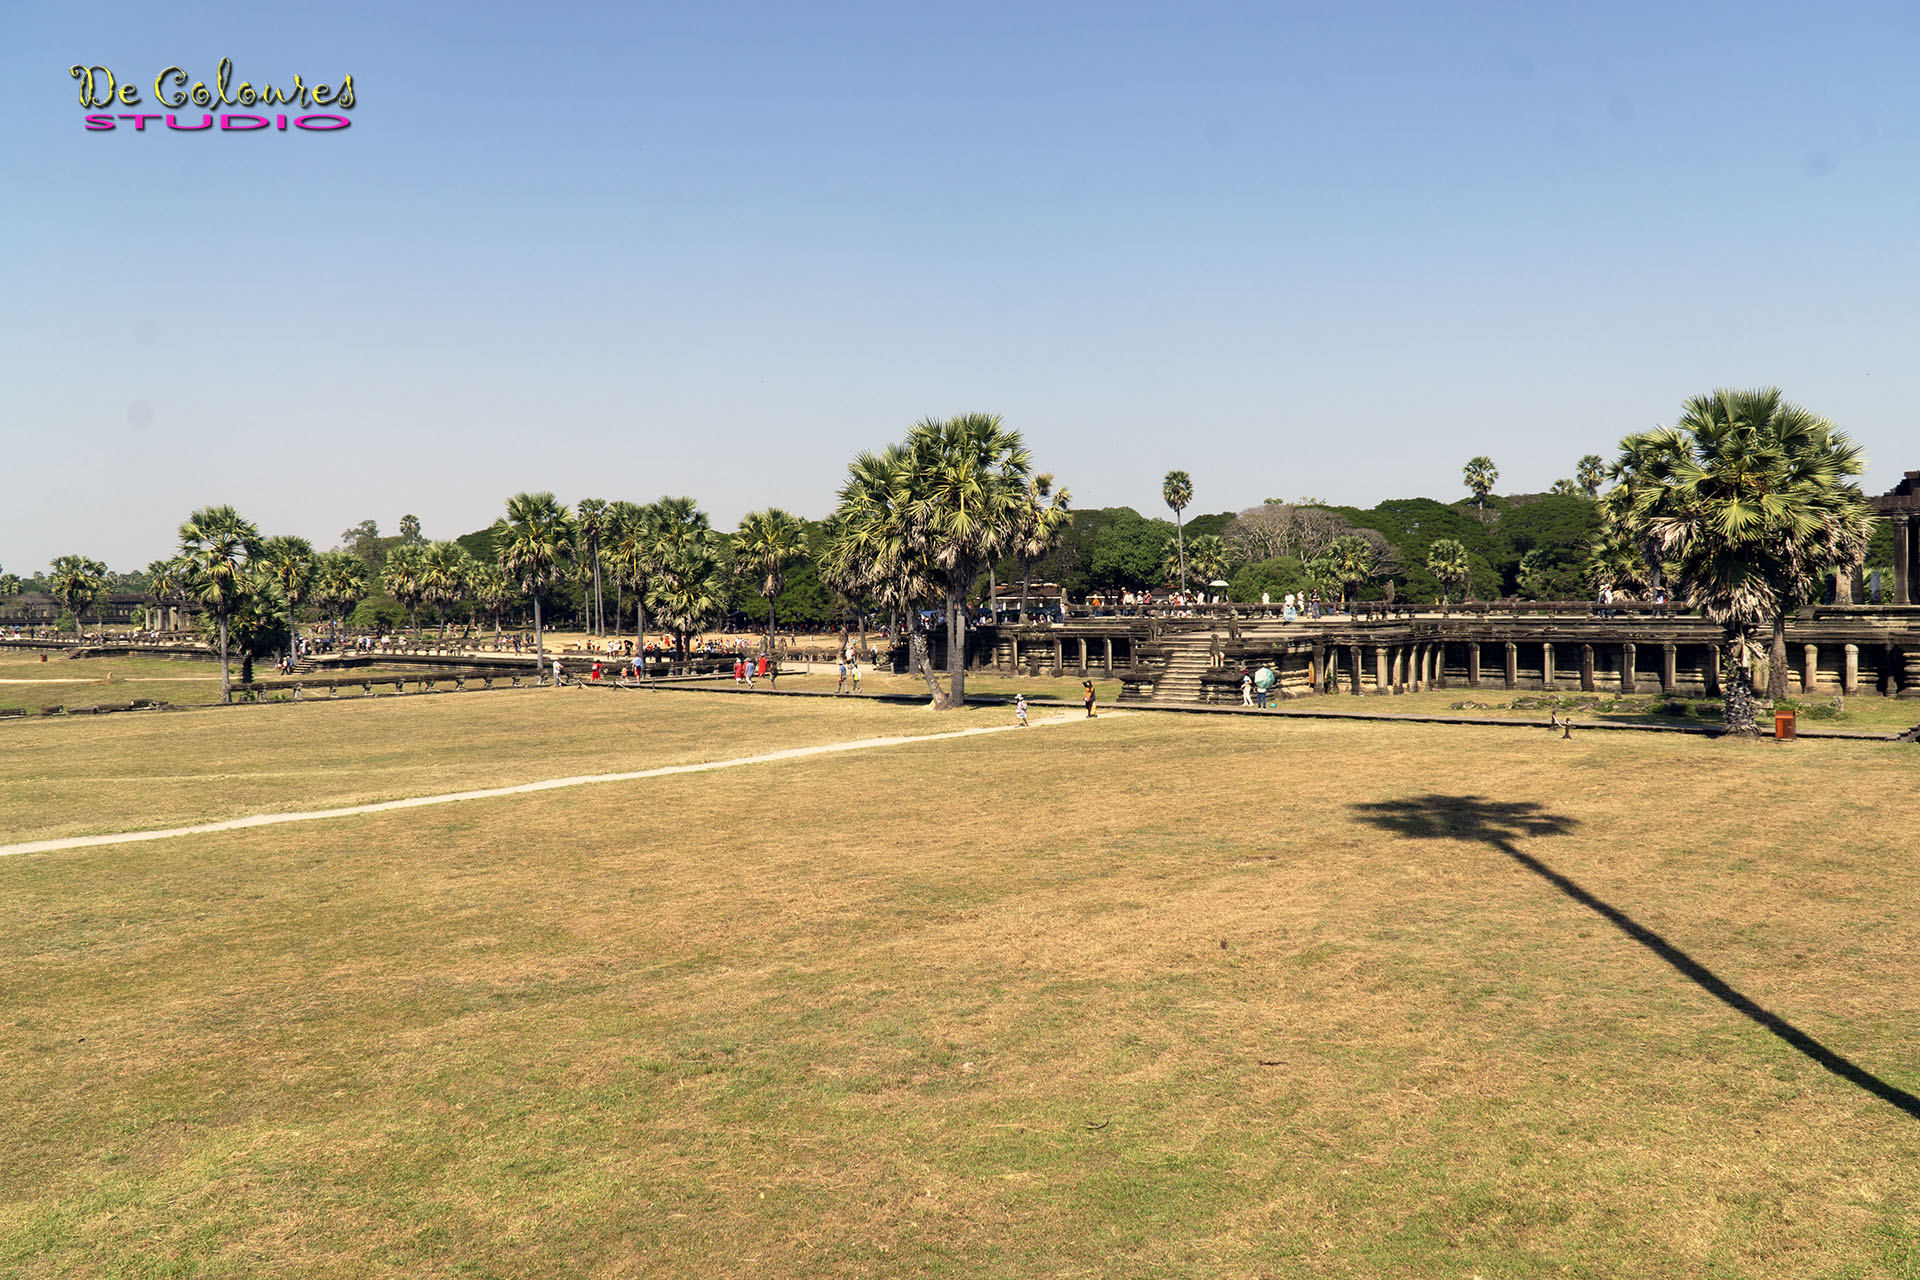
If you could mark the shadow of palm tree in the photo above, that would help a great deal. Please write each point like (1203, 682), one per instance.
(1500, 823)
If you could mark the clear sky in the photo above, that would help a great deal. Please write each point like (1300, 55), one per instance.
(622, 250)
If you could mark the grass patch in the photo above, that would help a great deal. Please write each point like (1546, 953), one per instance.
(1155, 996)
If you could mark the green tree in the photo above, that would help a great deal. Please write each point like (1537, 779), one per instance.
(1750, 497)
(77, 583)
(1447, 562)
(1480, 475)
(410, 534)
(872, 555)
(1564, 488)
(534, 541)
(590, 526)
(405, 578)
(288, 560)
(630, 540)
(339, 582)
(1591, 472)
(1348, 561)
(769, 543)
(168, 580)
(1044, 517)
(1208, 559)
(445, 574)
(689, 588)
(1177, 490)
(217, 544)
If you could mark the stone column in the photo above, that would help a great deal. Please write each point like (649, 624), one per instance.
(1109, 655)
(1382, 679)
(1013, 639)
(1513, 665)
(1083, 656)
(1910, 674)
(1353, 655)
(1059, 657)
(1473, 664)
(1547, 680)
(1810, 668)
(1586, 668)
(1629, 673)
(1850, 672)
(1669, 668)
(1439, 664)
(1902, 559)
(1712, 671)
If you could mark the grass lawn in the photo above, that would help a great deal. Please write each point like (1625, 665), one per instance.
(1151, 996)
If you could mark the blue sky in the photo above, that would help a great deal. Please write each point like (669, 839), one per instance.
(619, 251)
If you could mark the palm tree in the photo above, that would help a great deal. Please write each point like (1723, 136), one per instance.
(77, 583)
(339, 583)
(1044, 517)
(628, 539)
(288, 560)
(1447, 561)
(768, 544)
(167, 579)
(491, 591)
(1349, 560)
(445, 570)
(871, 555)
(590, 524)
(1207, 558)
(1564, 488)
(674, 524)
(1590, 471)
(967, 480)
(1480, 474)
(405, 578)
(689, 591)
(1750, 497)
(1177, 489)
(533, 542)
(217, 543)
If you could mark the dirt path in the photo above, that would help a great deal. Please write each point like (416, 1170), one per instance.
(525, 788)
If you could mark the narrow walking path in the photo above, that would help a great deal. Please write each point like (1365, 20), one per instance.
(524, 788)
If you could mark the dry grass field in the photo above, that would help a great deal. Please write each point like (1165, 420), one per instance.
(1147, 996)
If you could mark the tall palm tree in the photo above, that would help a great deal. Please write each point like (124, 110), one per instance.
(533, 542)
(1177, 489)
(1044, 517)
(769, 543)
(1480, 475)
(590, 526)
(674, 525)
(628, 540)
(339, 583)
(289, 561)
(217, 543)
(1447, 561)
(405, 578)
(445, 570)
(77, 582)
(1751, 499)
(1590, 472)
(967, 481)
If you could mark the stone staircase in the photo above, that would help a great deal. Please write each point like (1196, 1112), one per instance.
(305, 665)
(1190, 657)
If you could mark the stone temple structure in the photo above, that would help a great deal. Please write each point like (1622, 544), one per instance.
(1900, 507)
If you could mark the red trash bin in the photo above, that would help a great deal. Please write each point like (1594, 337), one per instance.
(1784, 725)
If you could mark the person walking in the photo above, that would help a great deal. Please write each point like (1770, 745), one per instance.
(1087, 686)
(1020, 710)
(842, 686)
(854, 671)
(1246, 688)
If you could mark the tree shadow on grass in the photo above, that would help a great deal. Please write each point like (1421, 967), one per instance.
(1499, 823)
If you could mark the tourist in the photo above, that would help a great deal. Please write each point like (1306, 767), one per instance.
(1020, 710)
(596, 668)
(1087, 686)
(1289, 613)
(842, 686)
(853, 670)
(1246, 688)
(1262, 681)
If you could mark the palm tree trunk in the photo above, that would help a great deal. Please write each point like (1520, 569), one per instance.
(917, 658)
(1026, 578)
(1739, 692)
(539, 646)
(769, 626)
(1777, 659)
(956, 649)
(1180, 540)
(226, 683)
